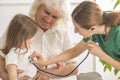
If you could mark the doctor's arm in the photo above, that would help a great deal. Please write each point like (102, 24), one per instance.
(67, 68)
(64, 56)
(69, 54)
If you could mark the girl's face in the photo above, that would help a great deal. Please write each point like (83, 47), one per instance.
(46, 17)
(82, 31)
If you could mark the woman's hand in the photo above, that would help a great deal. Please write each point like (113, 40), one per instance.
(41, 76)
(19, 71)
(94, 49)
(38, 59)
(24, 78)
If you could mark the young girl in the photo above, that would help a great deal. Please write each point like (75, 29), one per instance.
(17, 48)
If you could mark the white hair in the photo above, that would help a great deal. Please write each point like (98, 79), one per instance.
(63, 6)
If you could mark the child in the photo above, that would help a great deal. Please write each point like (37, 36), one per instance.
(17, 48)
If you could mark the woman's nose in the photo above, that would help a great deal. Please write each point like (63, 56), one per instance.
(49, 19)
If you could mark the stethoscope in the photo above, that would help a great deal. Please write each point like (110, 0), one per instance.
(72, 70)
(66, 74)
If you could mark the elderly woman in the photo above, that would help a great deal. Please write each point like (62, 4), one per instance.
(51, 38)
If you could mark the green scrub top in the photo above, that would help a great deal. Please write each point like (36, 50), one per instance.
(111, 45)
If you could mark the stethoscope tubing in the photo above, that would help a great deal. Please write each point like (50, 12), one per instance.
(66, 74)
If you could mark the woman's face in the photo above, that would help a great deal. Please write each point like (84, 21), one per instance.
(46, 17)
(82, 31)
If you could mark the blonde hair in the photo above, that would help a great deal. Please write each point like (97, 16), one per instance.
(63, 6)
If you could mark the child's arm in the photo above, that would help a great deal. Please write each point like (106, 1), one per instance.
(12, 72)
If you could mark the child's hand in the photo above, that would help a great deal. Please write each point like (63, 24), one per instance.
(19, 71)
(24, 78)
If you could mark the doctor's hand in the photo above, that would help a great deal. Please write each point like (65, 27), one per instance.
(94, 49)
(38, 59)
